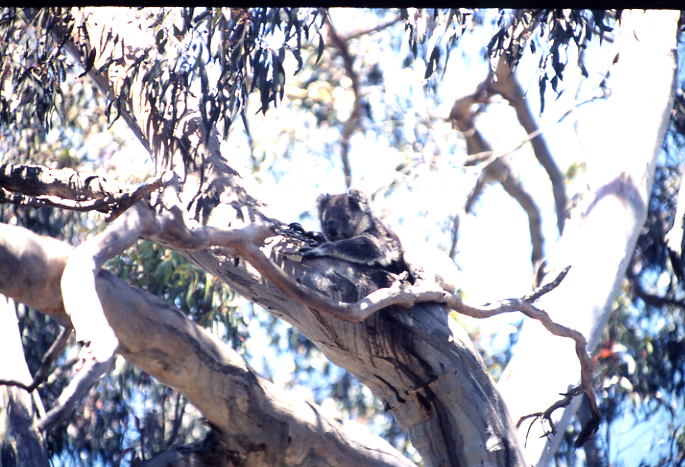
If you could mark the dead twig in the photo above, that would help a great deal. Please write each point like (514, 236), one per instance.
(588, 430)
(46, 363)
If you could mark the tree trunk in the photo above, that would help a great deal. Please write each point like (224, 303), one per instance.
(20, 443)
(598, 241)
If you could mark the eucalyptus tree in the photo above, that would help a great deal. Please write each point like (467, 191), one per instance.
(180, 80)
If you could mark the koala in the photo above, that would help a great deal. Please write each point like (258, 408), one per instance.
(354, 234)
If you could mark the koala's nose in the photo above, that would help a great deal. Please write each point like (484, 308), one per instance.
(332, 229)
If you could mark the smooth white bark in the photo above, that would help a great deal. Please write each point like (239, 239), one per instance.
(599, 241)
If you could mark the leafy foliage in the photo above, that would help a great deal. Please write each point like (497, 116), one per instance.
(224, 53)
(169, 275)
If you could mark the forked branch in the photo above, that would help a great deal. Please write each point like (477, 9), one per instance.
(82, 305)
(246, 243)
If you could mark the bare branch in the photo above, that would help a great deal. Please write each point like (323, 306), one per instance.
(77, 388)
(37, 186)
(245, 242)
(46, 362)
(547, 414)
(508, 87)
(352, 122)
(502, 81)
(514, 188)
(488, 156)
(542, 290)
(161, 341)
(373, 30)
(463, 118)
(407, 296)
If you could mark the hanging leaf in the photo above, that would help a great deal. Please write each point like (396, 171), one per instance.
(88, 65)
(319, 50)
(543, 85)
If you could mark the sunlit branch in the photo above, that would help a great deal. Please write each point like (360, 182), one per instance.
(497, 170)
(373, 30)
(37, 186)
(84, 308)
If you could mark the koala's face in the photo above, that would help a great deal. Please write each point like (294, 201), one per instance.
(343, 216)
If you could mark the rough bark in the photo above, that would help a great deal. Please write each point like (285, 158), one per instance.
(598, 242)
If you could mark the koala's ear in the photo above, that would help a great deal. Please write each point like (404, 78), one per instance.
(358, 199)
(322, 201)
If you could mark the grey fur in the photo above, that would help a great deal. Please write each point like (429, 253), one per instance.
(354, 234)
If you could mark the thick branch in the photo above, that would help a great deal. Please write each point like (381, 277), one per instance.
(30, 270)
(245, 243)
(247, 410)
(83, 306)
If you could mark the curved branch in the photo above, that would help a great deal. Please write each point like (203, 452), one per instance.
(515, 189)
(407, 296)
(463, 118)
(508, 87)
(245, 243)
(244, 409)
(84, 307)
